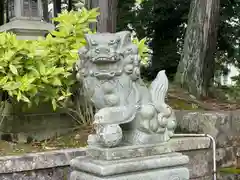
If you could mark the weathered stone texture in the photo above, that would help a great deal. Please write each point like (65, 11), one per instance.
(58, 173)
(35, 161)
(228, 177)
(37, 123)
(203, 178)
(200, 163)
(55, 165)
(225, 157)
(175, 144)
(159, 164)
(168, 173)
(224, 126)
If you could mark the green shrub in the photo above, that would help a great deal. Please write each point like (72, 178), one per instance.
(41, 71)
(19, 73)
(143, 50)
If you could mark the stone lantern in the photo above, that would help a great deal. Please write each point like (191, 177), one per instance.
(26, 19)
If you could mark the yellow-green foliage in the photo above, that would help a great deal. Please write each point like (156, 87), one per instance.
(143, 50)
(230, 170)
(36, 71)
(19, 70)
(61, 50)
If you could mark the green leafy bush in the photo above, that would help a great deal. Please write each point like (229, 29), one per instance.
(60, 51)
(18, 68)
(143, 50)
(41, 71)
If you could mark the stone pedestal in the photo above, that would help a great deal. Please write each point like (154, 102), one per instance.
(130, 163)
(133, 122)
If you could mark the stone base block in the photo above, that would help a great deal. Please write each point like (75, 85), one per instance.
(160, 167)
(166, 174)
(127, 151)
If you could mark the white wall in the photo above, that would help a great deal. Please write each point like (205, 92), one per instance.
(227, 80)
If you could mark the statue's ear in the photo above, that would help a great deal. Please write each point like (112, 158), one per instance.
(125, 38)
(82, 51)
(88, 40)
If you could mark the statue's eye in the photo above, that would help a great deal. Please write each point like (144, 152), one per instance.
(97, 50)
(111, 42)
(129, 50)
(94, 43)
(129, 39)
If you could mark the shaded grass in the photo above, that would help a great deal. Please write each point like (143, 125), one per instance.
(229, 170)
(74, 139)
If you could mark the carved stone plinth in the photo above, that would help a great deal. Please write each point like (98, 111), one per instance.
(126, 152)
(169, 166)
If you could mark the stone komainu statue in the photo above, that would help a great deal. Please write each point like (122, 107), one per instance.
(127, 111)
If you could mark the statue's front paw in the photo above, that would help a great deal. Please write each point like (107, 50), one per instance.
(98, 118)
(92, 139)
(170, 133)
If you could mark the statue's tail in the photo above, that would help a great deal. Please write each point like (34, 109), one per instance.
(158, 90)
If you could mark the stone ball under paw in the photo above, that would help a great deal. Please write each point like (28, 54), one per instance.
(111, 135)
(92, 139)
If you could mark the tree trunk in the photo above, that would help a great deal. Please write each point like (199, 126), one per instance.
(56, 7)
(108, 14)
(70, 5)
(45, 10)
(1, 12)
(7, 11)
(196, 68)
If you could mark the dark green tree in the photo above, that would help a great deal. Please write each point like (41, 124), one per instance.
(164, 22)
(125, 15)
(57, 7)
(1, 12)
(196, 68)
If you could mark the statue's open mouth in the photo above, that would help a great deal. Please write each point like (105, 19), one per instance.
(105, 59)
(106, 74)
